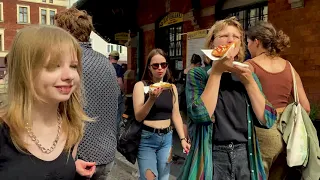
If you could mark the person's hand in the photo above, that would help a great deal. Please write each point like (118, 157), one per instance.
(225, 64)
(85, 169)
(244, 74)
(185, 145)
(154, 93)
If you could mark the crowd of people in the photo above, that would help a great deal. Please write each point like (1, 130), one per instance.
(62, 102)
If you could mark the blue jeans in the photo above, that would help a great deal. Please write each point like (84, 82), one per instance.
(155, 154)
(230, 162)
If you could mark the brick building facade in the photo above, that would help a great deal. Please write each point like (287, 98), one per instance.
(16, 14)
(300, 19)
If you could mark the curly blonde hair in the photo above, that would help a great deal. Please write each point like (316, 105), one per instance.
(220, 25)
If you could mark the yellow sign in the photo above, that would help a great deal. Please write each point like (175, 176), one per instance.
(121, 36)
(197, 34)
(171, 18)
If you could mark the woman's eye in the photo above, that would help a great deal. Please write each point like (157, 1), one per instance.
(74, 66)
(236, 37)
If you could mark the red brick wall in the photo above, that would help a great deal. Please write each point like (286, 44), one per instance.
(302, 25)
(150, 11)
(10, 18)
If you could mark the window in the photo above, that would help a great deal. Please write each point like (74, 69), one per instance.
(251, 15)
(23, 14)
(119, 48)
(52, 14)
(47, 16)
(175, 48)
(44, 1)
(1, 11)
(109, 48)
(50, 1)
(43, 16)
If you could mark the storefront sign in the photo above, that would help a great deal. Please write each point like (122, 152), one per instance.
(171, 18)
(197, 34)
(123, 36)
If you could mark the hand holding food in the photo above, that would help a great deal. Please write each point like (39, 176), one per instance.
(161, 84)
(157, 88)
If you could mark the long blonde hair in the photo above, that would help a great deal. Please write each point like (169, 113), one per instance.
(220, 25)
(29, 52)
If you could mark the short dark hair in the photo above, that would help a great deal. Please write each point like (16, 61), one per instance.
(195, 59)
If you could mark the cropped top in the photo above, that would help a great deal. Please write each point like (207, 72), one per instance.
(162, 107)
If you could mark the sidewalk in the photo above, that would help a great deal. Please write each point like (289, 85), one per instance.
(175, 166)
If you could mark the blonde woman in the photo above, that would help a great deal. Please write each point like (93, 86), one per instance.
(43, 120)
(224, 105)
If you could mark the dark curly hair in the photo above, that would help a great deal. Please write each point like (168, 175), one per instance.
(272, 40)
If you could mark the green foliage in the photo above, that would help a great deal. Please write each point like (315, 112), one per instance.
(314, 111)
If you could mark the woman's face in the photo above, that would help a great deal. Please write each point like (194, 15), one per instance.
(158, 66)
(56, 82)
(227, 35)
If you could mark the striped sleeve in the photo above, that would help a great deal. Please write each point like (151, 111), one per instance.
(270, 113)
(195, 84)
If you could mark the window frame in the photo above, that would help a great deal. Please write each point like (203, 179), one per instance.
(246, 10)
(48, 17)
(1, 13)
(18, 14)
(2, 48)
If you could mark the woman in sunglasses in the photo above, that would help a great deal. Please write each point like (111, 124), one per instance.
(156, 110)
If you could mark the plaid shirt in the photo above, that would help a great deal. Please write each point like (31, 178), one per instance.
(198, 165)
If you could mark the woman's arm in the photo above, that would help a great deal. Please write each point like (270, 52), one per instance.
(302, 94)
(263, 110)
(210, 93)
(195, 85)
(141, 109)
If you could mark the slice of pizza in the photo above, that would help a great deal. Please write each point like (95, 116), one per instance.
(219, 51)
(161, 84)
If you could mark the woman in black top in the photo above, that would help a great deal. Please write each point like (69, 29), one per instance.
(156, 110)
(43, 118)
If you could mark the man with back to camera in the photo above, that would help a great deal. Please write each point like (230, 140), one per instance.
(101, 92)
(114, 58)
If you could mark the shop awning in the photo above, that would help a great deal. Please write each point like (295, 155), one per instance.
(112, 20)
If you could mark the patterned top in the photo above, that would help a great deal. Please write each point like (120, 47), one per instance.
(101, 92)
(198, 165)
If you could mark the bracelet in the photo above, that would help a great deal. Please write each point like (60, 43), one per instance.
(184, 139)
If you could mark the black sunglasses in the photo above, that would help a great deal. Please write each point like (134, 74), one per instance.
(157, 65)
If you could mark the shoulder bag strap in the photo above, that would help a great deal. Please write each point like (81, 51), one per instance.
(295, 89)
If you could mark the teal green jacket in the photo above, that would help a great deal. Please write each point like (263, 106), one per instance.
(198, 165)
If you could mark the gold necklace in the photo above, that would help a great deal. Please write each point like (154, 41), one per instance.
(36, 141)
